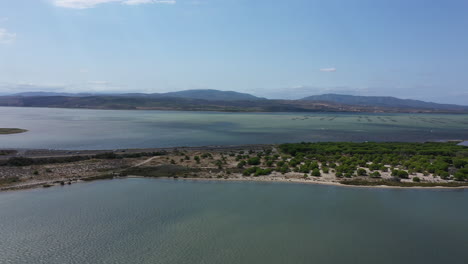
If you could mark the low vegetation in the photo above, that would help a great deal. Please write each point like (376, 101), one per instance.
(363, 164)
(168, 170)
(445, 160)
(23, 161)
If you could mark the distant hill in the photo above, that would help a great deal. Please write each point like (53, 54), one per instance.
(381, 101)
(214, 100)
(29, 94)
(147, 102)
(210, 95)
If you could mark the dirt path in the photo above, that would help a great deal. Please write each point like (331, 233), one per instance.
(144, 162)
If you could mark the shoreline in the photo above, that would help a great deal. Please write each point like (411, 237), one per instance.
(304, 110)
(12, 131)
(49, 184)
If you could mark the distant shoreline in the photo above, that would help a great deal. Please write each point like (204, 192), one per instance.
(249, 111)
(192, 105)
(8, 131)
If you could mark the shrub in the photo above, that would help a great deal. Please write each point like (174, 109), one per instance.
(107, 155)
(460, 175)
(403, 174)
(260, 171)
(459, 163)
(249, 171)
(206, 155)
(316, 172)
(284, 169)
(253, 161)
(219, 164)
(416, 179)
(444, 175)
(361, 172)
(241, 164)
(20, 161)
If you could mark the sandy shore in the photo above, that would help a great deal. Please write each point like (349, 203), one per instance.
(300, 181)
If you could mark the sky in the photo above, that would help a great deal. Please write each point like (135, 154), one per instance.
(290, 49)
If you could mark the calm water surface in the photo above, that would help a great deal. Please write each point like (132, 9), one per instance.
(167, 221)
(111, 129)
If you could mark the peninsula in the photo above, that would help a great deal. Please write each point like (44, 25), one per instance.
(360, 164)
(6, 131)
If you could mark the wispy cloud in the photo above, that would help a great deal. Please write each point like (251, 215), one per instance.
(328, 70)
(138, 2)
(84, 4)
(6, 37)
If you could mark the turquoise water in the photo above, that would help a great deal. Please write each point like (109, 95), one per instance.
(111, 129)
(167, 221)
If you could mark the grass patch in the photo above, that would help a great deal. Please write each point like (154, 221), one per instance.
(8, 181)
(168, 170)
(23, 161)
(7, 152)
(99, 177)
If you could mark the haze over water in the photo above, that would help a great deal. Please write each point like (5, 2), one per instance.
(111, 129)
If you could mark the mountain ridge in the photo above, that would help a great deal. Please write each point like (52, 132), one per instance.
(215, 100)
(379, 101)
(204, 94)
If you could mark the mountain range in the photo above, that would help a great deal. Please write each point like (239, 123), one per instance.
(380, 101)
(215, 100)
(203, 94)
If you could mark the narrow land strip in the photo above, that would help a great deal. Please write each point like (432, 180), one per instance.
(405, 165)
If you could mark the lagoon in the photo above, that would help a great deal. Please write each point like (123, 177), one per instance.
(141, 220)
(53, 128)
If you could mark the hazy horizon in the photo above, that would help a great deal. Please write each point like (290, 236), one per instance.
(287, 50)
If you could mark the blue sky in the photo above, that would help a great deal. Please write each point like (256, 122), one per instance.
(276, 49)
